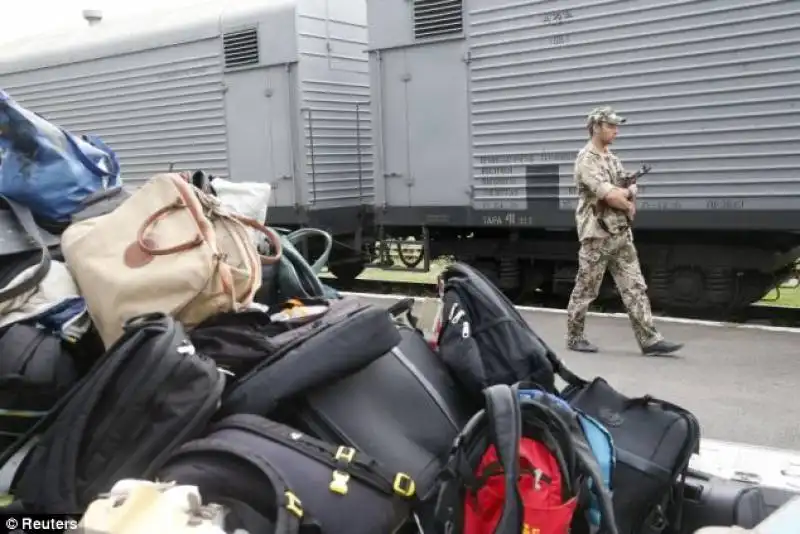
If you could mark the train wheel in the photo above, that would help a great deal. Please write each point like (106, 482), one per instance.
(347, 271)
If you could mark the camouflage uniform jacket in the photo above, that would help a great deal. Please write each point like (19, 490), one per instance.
(595, 175)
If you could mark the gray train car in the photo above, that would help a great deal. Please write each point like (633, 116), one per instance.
(479, 110)
(273, 91)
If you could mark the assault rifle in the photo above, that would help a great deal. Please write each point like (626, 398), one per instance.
(634, 176)
(627, 181)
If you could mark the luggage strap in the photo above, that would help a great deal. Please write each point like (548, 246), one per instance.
(343, 460)
(504, 421)
(9, 470)
(25, 218)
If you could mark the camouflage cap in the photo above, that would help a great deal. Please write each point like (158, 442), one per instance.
(604, 114)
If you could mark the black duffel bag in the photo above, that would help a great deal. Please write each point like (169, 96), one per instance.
(317, 351)
(339, 489)
(653, 440)
(404, 409)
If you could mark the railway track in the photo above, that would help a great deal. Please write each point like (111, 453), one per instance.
(756, 314)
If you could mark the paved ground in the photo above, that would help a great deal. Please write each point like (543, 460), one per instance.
(743, 384)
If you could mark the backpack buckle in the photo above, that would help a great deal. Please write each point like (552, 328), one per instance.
(339, 482)
(293, 504)
(345, 454)
(403, 485)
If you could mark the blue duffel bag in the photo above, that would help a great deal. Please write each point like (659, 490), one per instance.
(48, 169)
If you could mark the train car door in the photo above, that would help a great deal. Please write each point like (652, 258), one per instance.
(259, 106)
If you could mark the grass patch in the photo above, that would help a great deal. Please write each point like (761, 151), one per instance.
(787, 297)
(403, 276)
(400, 276)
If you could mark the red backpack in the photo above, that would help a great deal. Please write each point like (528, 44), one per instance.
(513, 469)
(547, 505)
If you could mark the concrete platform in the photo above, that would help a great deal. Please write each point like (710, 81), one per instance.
(743, 383)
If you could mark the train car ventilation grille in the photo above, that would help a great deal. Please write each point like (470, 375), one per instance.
(241, 48)
(434, 18)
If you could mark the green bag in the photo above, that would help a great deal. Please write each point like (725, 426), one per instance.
(293, 276)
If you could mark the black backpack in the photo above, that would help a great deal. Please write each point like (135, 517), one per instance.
(339, 489)
(36, 370)
(252, 488)
(483, 338)
(149, 393)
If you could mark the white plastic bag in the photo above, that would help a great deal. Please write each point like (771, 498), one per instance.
(144, 507)
(250, 199)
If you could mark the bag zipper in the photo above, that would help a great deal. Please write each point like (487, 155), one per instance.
(465, 296)
(426, 385)
(495, 469)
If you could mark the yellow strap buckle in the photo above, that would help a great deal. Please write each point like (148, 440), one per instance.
(339, 482)
(293, 504)
(404, 485)
(345, 454)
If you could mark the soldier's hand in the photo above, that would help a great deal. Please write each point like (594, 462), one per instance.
(632, 211)
(618, 199)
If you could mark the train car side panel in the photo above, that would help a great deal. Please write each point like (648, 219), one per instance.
(335, 100)
(709, 89)
(157, 107)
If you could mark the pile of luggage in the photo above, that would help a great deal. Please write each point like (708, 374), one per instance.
(167, 335)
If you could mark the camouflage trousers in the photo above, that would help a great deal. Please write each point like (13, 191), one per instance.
(618, 254)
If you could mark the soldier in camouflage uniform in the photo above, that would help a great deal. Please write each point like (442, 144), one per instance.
(605, 209)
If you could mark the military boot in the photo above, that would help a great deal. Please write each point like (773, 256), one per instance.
(582, 345)
(661, 348)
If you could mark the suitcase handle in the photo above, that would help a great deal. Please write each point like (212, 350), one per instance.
(401, 307)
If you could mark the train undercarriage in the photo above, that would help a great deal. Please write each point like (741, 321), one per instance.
(710, 274)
